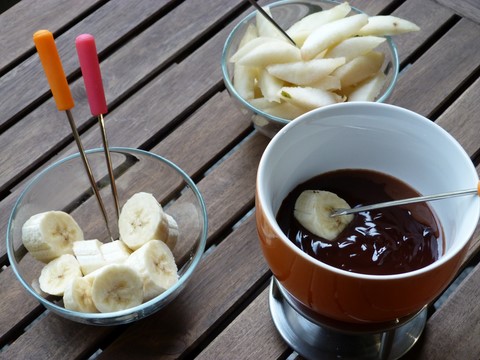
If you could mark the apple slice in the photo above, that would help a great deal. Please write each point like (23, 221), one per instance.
(360, 68)
(383, 25)
(272, 52)
(304, 27)
(305, 72)
(369, 89)
(309, 98)
(332, 33)
(269, 85)
(355, 46)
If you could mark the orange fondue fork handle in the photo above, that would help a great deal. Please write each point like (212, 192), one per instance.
(47, 51)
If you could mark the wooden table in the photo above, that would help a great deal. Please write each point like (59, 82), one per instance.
(161, 66)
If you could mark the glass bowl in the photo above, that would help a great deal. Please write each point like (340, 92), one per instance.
(64, 186)
(286, 13)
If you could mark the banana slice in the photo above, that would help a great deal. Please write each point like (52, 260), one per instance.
(313, 209)
(50, 234)
(173, 232)
(155, 263)
(115, 252)
(142, 219)
(58, 273)
(89, 255)
(116, 287)
(78, 295)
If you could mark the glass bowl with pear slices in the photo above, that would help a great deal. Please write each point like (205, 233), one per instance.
(340, 54)
(64, 255)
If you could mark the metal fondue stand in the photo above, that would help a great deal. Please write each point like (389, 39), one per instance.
(316, 337)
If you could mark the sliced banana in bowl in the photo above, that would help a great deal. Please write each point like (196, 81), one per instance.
(59, 251)
(106, 277)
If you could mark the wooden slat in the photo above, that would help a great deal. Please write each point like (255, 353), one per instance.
(475, 244)
(15, 305)
(371, 7)
(252, 335)
(455, 56)
(60, 339)
(461, 119)
(425, 13)
(452, 332)
(27, 16)
(466, 8)
(27, 82)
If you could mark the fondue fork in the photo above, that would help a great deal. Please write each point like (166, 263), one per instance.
(52, 65)
(338, 212)
(92, 77)
(269, 18)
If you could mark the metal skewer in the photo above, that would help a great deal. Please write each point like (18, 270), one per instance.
(338, 212)
(52, 66)
(87, 55)
(269, 18)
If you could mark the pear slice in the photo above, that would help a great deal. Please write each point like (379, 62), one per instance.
(360, 68)
(249, 46)
(250, 34)
(244, 81)
(304, 27)
(369, 89)
(332, 33)
(285, 110)
(382, 25)
(269, 85)
(309, 98)
(305, 72)
(272, 52)
(329, 82)
(355, 46)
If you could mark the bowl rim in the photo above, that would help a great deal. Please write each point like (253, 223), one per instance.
(317, 263)
(238, 27)
(116, 316)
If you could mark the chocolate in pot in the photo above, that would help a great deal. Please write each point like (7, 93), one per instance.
(384, 241)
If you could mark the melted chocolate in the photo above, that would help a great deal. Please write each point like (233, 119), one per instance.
(384, 241)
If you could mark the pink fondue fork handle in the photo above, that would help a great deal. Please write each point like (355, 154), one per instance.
(87, 55)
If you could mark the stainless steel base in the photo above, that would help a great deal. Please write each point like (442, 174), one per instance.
(312, 340)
